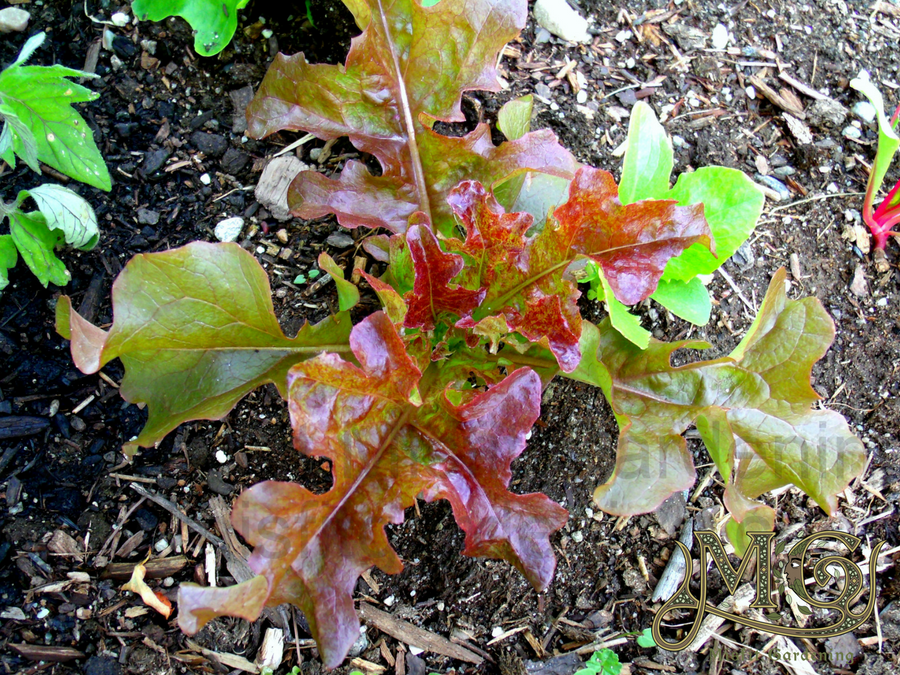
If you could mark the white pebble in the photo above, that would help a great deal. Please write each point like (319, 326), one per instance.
(120, 19)
(719, 37)
(267, 33)
(577, 537)
(205, 179)
(229, 229)
(13, 20)
(221, 457)
(581, 96)
(389, 601)
(865, 110)
(161, 545)
(496, 632)
(561, 20)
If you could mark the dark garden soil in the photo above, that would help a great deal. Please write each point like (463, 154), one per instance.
(166, 119)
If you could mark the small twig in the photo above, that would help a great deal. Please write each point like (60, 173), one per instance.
(734, 287)
(815, 199)
(296, 144)
(175, 511)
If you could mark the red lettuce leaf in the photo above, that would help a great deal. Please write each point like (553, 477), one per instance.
(409, 68)
(385, 450)
(526, 277)
(432, 293)
(196, 330)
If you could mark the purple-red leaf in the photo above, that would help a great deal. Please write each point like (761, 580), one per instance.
(631, 243)
(526, 277)
(385, 449)
(196, 331)
(409, 68)
(432, 293)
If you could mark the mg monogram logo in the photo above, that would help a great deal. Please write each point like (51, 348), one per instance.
(761, 547)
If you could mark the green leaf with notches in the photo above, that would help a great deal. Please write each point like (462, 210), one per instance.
(36, 243)
(214, 21)
(40, 99)
(67, 212)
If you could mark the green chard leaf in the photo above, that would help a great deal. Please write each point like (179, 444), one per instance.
(391, 433)
(753, 409)
(214, 21)
(406, 71)
(648, 158)
(687, 299)
(348, 294)
(888, 139)
(39, 99)
(514, 118)
(196, 331)
(731, 205)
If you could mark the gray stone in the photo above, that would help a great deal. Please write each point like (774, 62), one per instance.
(211, 145)
(827, 113)
(229, 229)
(147, 217)
(234, 160)
(561, 20)
(671, 512)
(340, 240)
(687, 37)
(154, 160)
(774, 184)
(102, 665)
(240, 99)
(217, 484)
(13, 20)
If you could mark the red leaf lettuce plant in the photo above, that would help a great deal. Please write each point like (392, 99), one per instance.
(887, 215)
(435, 395)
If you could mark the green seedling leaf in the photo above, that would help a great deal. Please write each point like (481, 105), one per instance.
(14, 130)
(753, 409)
(645, 639)
(687, 299)
(196, 331)
(602, 662)
(888, 140)
(41, 98)
(648, 159)
(537, 194)
(622, 320)
(399, 78)
(348, 294)
(68, 212)
(514, 118)
(387, 445)
(37, 244)
(8, 257)
(732, 204)
(213, 20)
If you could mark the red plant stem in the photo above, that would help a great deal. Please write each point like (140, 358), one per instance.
(895, 116)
